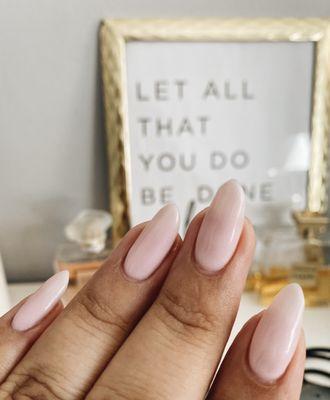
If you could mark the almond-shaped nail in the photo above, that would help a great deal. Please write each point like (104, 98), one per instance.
(152, 245)
(276, 336)
(221, 228)
(40, 303)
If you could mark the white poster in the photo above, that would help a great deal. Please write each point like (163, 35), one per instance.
(202, 113)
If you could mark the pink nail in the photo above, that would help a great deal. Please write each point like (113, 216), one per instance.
(221, 228)
(153, 244)
(276, 336)
(38, 305)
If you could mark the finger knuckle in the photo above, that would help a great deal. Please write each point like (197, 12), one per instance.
(100, 315)
(184, 315)
(32, 385)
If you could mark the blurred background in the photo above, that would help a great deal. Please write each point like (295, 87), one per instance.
(52, 143)
(53, 161)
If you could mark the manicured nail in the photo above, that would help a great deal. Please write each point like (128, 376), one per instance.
(38, 305)
(154, 242)
(221, 228)
(276, 336)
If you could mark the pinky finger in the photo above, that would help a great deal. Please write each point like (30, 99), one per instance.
(266, 360)
(24, 323)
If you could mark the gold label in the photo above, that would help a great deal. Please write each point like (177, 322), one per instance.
(305, 274)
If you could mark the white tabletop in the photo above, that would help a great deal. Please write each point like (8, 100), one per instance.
(316, 319)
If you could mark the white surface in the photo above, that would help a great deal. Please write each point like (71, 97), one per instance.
(252, 119)
(4, 299)
(316, 320)
(52, 153)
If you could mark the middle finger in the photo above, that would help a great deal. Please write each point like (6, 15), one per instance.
(174, 350)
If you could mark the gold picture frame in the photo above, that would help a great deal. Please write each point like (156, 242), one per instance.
(114, 34)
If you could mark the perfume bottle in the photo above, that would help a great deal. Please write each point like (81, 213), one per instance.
(300, 255)
(285, 254)
(315, 229)
(277, 244)
(86, 246)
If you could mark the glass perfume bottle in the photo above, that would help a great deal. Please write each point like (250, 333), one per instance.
(86, 247)
(315, 229)
(277, 244)
(271, 215)
(299, 255)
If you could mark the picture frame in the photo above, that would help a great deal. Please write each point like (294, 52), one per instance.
(116, 35)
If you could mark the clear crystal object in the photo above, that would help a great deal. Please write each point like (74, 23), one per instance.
(89, 230)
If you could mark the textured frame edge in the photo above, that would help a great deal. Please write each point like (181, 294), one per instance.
(113, 37)
(318, 171)
(112, 64)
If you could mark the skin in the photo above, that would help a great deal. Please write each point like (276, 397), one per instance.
(161, 338)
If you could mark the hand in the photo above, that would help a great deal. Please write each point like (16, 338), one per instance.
(155, 319)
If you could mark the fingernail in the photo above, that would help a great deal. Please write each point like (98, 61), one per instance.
(154, 242)
(38, 305)
(276, 336)
(221, 228)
